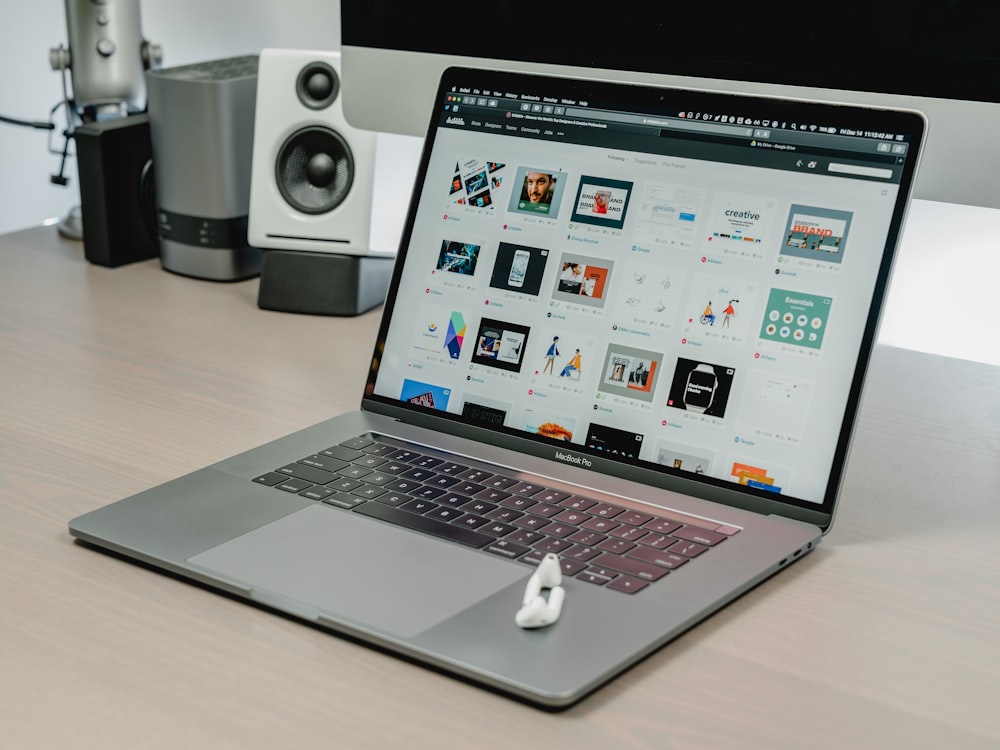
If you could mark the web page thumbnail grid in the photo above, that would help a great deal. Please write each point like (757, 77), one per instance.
(686, 314)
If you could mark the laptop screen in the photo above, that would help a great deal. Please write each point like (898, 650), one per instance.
(679, 284)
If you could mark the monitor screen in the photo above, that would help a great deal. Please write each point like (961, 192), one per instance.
(942, 61)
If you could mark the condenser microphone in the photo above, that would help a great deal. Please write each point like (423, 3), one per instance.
(107, 58)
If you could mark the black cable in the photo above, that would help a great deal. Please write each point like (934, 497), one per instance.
(38, 124)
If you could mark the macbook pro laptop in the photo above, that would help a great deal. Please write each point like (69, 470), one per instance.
(628, 326)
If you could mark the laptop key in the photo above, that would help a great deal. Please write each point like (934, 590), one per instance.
(369, 461)
(661, 525)
(353, 472)
(444, 513)
(498, 528)
(369, 491)
(552, 496)
(475, 475)
(452, 469)
(575, 502)
(590, 577)
(394, 498)
(560, 530)
(343, 500)
(270, 479)
(317, 493)
(498, 482)
(403, 455)
(525, 488)
(507, 515)
(344, 484)
(456, 533)
(418, 474)
(688, 549)
(505, 548)
(495, 496)
(701, 536)
(375, 449)
(643, 570)
(293, 485)
(362, 442)
(551, 544)
(471, 505)
(471, 520)
(341, 452)
(659, 557)
(327, 463)
(588, 538)
(627, 584)
(605, 510)
(418, 506)
(426, 462)
(308, 473)
(634, 518)
(616, 546)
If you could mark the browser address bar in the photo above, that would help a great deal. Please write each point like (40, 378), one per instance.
(885, 174)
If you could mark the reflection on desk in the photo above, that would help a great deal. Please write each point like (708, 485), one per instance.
(113, 380)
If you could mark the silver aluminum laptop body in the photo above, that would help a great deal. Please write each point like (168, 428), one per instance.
(718, 262)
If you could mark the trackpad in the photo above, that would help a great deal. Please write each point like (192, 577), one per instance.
(364, 572)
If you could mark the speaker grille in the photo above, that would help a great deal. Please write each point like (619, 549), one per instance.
(314, 170)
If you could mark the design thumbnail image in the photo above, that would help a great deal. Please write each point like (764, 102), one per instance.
(425, 394)
(500, 345)
(683, 458)
(548, 424)
(701, 387)
(623, 445)
(540, 192)
(456, 334)
(630, 372)
(475, 182)
(602, 202)
(477, 410)
(519, 268)
(816, 233)
(458, 257)
(582, 280)
(796, 318)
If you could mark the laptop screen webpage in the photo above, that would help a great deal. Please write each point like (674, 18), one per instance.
(680, 282)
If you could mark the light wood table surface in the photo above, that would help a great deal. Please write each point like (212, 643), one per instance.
(113, 380)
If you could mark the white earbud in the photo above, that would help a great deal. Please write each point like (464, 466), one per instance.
(535, 611)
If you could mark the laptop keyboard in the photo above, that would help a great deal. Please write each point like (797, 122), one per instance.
(598, 542)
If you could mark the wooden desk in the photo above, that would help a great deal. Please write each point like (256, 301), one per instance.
(112, 380)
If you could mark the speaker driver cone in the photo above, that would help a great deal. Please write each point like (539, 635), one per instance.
(314, 170)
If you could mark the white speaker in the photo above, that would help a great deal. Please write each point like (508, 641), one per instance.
(312, 174)
(311, 185)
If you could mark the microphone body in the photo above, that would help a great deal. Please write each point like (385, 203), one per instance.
(107, 58)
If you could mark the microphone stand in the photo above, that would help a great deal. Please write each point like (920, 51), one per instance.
(90, 26)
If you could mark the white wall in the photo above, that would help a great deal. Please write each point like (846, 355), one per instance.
(188, 31)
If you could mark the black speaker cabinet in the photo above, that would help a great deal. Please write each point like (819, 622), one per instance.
(117, 190)
(311, 191)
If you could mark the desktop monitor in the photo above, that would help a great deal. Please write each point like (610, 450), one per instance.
(941, 59)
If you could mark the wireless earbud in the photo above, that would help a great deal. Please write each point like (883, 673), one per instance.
(535, 611)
